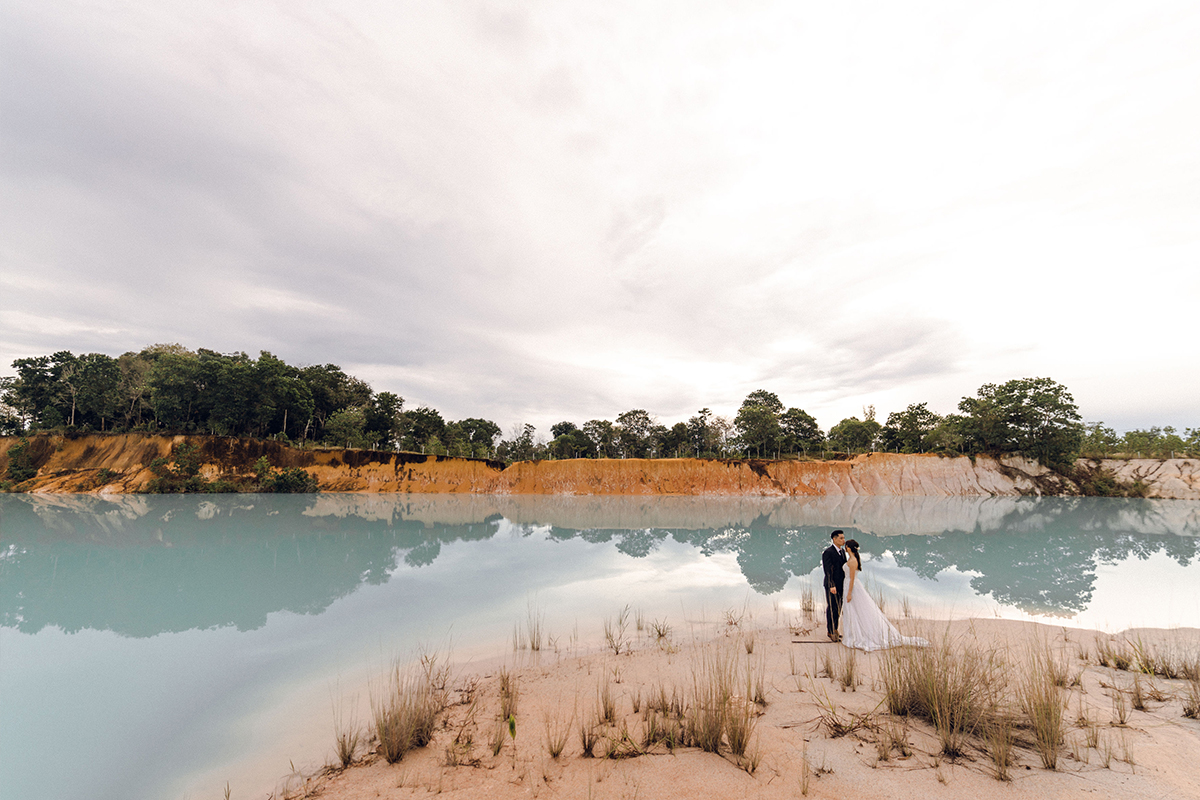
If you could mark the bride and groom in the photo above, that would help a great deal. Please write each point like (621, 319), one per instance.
(851, 615)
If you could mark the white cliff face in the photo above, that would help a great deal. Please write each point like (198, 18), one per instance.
(1177, 478)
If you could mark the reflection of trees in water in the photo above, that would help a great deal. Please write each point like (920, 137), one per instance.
(145, 576)
(1042, 566)
(172, 564)
(1040, 557)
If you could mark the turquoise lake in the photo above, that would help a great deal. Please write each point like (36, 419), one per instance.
(156, 647)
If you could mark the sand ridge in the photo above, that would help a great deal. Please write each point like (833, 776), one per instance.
(794, 748)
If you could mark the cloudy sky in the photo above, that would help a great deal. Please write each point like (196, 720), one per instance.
(539, 211)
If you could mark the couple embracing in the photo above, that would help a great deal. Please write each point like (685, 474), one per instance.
(851, 616)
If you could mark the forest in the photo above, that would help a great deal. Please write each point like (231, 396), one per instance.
(171, 389)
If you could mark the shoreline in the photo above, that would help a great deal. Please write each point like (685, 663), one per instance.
(121, 463)
(795, 744)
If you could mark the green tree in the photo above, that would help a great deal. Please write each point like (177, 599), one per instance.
(699, 437)
(98, 382)
(853, 435)
(37, 394)
(385, 422)
(1154, 442)
(570, 442)
(423, 424)
(947, 436)
(757, 423)
(1033, 417)
(520, 446)
(673, 442)
(177, 385)
(11, 423)
(907, 431)
(634, 430)
(347, 428)
(800, 431)
(134, 387)
(282, 400)
(1099, 440)
(603, 436)
(231, 394)
(332, 390)
(480, 435)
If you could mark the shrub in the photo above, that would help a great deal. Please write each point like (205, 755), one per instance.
(178, 474)
(293, 480)
(20, 463)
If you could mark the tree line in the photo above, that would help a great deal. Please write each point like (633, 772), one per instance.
(170, 389)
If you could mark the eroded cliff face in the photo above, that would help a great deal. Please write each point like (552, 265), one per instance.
(75, 465)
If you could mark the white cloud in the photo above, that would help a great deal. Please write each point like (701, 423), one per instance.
(573, 210)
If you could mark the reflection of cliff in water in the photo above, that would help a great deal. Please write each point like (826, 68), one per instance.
(147, 564)
(140, 565)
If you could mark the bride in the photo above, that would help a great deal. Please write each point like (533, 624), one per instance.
(863, 625)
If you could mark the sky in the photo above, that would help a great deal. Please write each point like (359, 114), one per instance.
(544, 211)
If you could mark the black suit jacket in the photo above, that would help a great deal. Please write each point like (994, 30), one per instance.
(835, 568)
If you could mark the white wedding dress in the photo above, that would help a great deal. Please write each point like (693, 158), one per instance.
(864, 627)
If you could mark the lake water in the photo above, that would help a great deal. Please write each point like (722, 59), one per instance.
(157, 647)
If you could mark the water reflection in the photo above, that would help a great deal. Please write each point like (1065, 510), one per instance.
(142, 565)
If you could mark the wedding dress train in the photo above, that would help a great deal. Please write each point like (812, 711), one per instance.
(863, 626)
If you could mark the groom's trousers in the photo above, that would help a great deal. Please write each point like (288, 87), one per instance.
(833, 610)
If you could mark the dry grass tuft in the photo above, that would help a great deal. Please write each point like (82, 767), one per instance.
(954, 685)
(605, 702)
(347, 735)
(499, 731)
(405, 710)
(589, 735)
(510, 693)
(1191, 699)
(616, 632)
(1113, 653)
(1120, 707)
(1042, 701)
(837, 725)
(847, 671)
(534, 626)
(557, 732)
(712, 688)
(1137, 696)
(740, 720)
(807, 604)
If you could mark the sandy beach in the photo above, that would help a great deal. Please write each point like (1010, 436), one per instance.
(816, 714)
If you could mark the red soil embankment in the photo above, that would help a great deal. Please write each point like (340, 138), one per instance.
(75, 464)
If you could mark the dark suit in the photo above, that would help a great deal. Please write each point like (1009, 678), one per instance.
(834, 564)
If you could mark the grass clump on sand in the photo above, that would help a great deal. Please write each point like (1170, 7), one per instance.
(510, 693)
(616, 632)
(965, 693)
(1041, 700)
(1191, 699)
(723, 705)
(953, 685)
(346, 734)
(405, 710)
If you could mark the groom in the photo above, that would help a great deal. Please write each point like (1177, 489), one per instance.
(833, 560)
